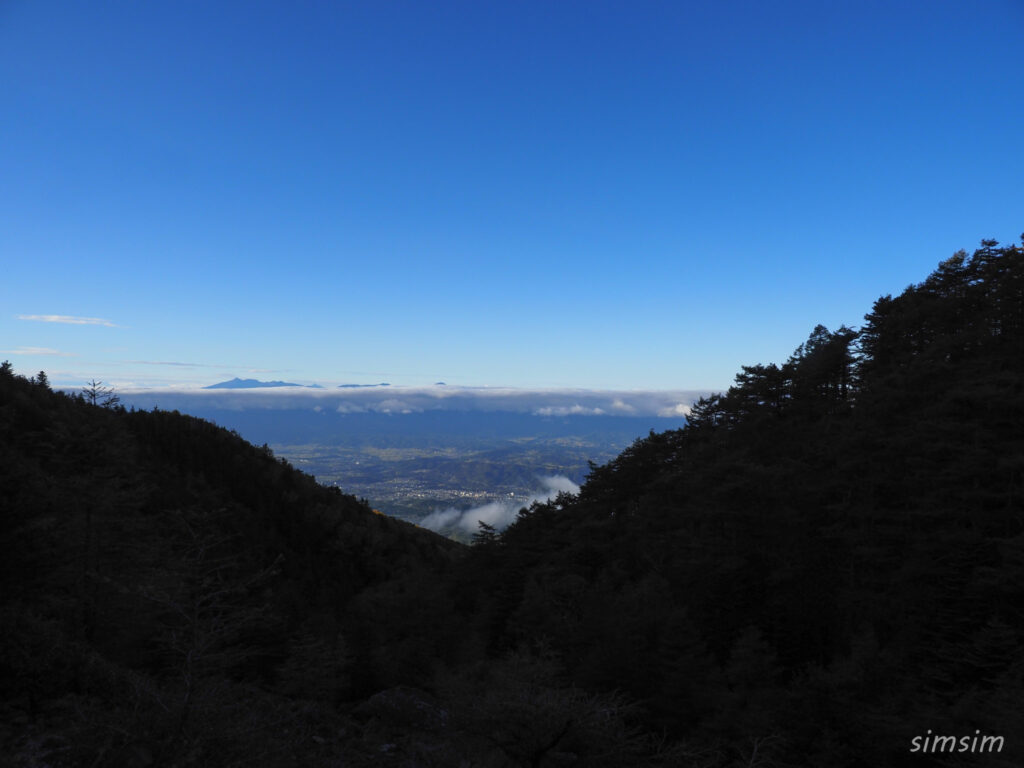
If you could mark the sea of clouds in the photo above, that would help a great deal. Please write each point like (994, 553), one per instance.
(398, 400)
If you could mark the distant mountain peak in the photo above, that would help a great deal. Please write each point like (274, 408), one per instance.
(237, 383)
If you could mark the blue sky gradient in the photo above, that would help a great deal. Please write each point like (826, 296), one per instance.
(573, 194)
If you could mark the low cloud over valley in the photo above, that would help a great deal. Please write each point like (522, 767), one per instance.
(497, 514)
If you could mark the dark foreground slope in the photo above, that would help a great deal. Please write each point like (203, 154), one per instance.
(173, 596)
(172, 591)
(827, 562)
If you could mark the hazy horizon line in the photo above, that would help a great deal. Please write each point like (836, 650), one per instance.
(407, 399)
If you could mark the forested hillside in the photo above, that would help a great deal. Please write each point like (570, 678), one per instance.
(829, 559)
(826, 563)
(171, 590)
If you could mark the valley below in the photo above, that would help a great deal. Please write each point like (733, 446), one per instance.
(414, 482)
(442, 469)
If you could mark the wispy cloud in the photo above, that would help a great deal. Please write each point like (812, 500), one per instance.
(68, 320)
(174, 363)
(182, 364)
(568, 410)
(350, 408)
(679, 409)
(42, 351)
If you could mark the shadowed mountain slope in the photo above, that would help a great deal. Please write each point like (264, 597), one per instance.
(154, 563)
(826, 562)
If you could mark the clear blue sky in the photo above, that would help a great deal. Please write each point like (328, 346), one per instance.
(595, 194)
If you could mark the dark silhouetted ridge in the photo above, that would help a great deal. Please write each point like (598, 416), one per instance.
(826, 562)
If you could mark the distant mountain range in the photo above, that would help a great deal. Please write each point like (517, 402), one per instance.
(237, 383)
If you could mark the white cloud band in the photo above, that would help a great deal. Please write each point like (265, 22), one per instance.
(68, 320)
(37, 351)
(542, 403)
